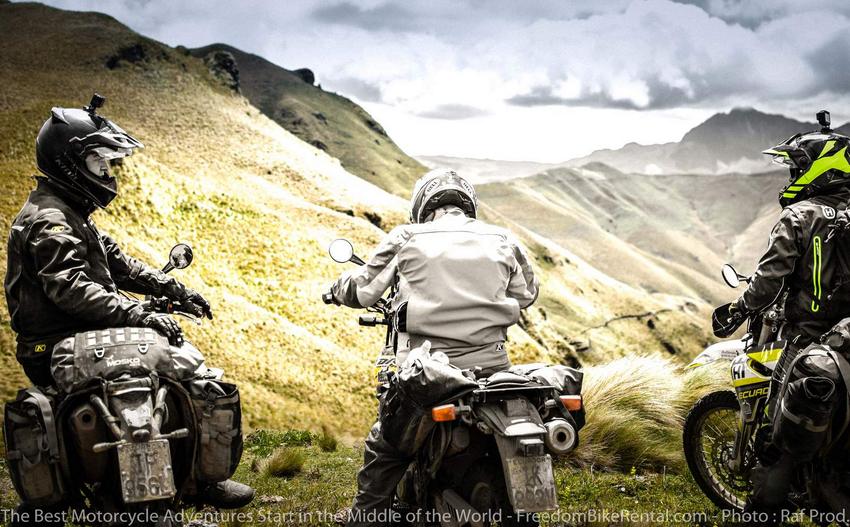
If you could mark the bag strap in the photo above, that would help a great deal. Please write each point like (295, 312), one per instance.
(46, 410)
(844, 370)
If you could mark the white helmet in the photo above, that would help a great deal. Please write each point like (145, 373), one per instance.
(441, 187)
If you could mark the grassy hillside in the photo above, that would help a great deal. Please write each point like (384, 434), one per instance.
(666, 234)
(260, 206)
(326, 120)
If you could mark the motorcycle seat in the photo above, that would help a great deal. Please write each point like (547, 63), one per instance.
(507, 379)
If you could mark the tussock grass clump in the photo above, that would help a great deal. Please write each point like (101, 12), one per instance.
(635, 411)
(327, 441)
(284, 462)
(263, 442)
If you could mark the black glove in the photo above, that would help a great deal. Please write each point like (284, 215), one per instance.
(196, 304)
(838, 337)
(166, 325)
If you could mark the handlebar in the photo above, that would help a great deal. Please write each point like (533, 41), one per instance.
(171, 307)
(372, 320)
(328, 298)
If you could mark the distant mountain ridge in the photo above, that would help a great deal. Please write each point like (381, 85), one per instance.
(485, 170)
(724, 143)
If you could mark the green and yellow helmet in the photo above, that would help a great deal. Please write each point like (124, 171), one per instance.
(818, 162)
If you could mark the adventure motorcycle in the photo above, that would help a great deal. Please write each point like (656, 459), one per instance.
(727, 433)
(482, 454)
(123, 439)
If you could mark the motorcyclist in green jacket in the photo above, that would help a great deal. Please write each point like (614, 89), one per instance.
(803, 263)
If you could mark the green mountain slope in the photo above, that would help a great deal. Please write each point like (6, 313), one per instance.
(326, 120)
(666, 234)
(253, 200)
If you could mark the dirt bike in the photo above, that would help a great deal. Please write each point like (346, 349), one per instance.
(482, 455)
(126, 445)
(727, 432)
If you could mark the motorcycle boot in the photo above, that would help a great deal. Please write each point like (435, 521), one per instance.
(226, 494)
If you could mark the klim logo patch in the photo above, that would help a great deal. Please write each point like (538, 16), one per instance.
(57, 229)
(40, 348)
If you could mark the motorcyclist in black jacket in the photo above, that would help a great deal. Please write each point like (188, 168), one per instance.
(804, 262)
(63, 275)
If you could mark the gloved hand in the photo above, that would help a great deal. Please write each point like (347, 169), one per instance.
(196, 304)
(735, 309)
(838, 337)
(166, 325)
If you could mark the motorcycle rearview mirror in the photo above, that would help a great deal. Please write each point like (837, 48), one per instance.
(341, 251)
(730, 276)
(180, 257)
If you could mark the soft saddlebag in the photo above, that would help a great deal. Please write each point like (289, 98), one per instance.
(423, 382)
(807, 401)
(32, 449)
(109, 353)
(566, 380)
(219, 415)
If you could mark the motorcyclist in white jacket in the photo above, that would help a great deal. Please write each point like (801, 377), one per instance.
(461, 283)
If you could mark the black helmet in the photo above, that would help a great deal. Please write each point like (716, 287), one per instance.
(818, 162)
(75, 148)
(438, 188)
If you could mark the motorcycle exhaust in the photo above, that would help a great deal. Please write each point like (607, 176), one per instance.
(560, 437)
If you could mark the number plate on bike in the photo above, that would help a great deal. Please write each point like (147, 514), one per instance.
(531, 483)
(146, 473)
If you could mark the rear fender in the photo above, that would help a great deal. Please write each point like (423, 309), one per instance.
(518, 430)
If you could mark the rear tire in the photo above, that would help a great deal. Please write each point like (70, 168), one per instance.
(485, 490)
(708, 439)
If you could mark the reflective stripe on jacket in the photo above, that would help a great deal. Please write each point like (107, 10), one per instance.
(799, 257)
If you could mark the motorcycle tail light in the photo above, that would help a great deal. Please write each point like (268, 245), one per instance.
(443, 413)
(572, 403)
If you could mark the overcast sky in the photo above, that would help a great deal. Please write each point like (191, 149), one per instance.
(532, 80)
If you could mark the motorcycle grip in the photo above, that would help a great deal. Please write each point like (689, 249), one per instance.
(328, 298)
(368, 320)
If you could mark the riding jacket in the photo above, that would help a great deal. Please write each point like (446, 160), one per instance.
(63, 275)
(802, 259)
(461, 284)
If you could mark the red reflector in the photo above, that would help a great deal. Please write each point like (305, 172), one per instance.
(443, 413)
(572, 403)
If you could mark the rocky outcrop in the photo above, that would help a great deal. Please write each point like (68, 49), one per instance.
(222, 64)
(306, 75)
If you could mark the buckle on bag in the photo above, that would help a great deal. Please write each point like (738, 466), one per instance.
(143, 347)
(98, 352)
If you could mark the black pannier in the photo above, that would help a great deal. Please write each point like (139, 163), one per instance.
(219, 414)
(807, 401)
(32, 448)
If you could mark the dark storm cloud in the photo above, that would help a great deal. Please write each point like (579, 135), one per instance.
(384, 16)
(453, 112)
(660, 94)
(753, 13)
(351, 86)
(830, 60)
(457, 58)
